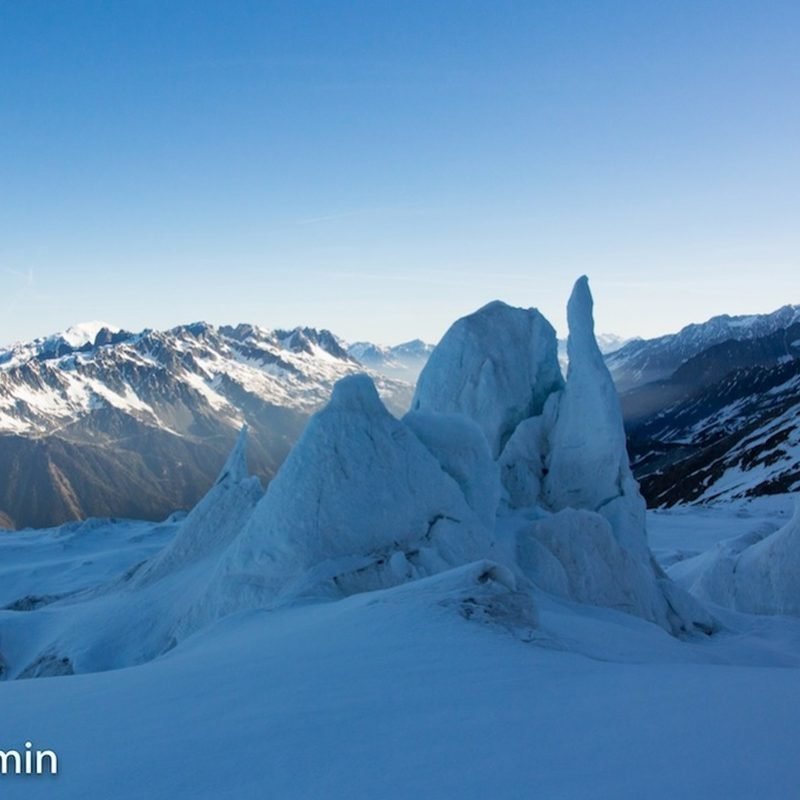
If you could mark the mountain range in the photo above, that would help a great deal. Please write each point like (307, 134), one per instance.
(403, 361)
(643, 361)
(93, 420)
(722, 420)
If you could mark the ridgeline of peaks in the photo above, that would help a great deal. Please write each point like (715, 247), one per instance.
(403, 361)
(99, 421)
(713, 411)
(645, 360)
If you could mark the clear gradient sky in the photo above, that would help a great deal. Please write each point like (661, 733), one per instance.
(381, 168)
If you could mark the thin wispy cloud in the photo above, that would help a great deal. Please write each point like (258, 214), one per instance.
(27, 276)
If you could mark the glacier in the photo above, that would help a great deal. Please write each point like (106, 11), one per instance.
(499, 461)
(359, 504)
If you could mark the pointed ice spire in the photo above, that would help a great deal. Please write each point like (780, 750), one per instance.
(582, 347)
(214, 522)
(588, 460)
(235, 468)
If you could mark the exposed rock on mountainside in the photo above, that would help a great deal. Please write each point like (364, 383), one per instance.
(726, 424)
(106, 422)
(645, 360)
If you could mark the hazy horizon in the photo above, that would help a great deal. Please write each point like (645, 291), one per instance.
(561, 330)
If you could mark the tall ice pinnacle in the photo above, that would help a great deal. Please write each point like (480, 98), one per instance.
(235, 468)
(588, 462)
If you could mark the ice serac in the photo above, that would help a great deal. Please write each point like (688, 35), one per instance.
(214, 522)
(359, 504)
(755, 573)
(461, 449)
(587, 462)
(574, 554)
(521, 463)
(496, 366)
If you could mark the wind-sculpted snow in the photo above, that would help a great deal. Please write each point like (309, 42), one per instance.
(496, 366)
(755, 573)
(359, 504)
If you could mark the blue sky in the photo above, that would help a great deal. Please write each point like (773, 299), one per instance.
(381, 168)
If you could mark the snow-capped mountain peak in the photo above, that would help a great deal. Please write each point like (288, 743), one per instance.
(402, 361)
(86, 332)
(110, 409)
(642, 361)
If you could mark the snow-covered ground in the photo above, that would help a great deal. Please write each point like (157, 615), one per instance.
(424, 690)
(678, 533)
